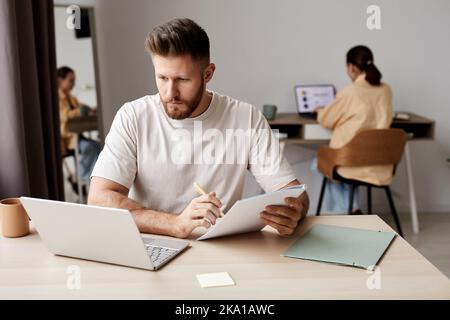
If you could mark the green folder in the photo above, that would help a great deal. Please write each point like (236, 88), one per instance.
(340, 245)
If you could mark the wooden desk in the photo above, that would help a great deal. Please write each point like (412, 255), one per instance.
(417, 127)
(420, 127)
(29, 271)
(83, 124)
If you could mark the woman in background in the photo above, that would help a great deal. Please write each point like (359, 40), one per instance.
(365, 104)
(70, 108)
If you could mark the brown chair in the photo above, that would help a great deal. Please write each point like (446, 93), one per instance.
(367, 148)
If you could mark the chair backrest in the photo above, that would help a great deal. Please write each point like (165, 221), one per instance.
(373, 147)
(367, 148)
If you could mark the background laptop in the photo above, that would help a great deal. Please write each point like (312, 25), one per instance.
(309, 97)
(98, 234)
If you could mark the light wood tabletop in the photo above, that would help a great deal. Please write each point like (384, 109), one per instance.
(254, 261)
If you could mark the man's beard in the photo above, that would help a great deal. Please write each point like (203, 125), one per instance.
(183, 109)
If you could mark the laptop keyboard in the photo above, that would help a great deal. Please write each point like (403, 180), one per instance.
(159, 255)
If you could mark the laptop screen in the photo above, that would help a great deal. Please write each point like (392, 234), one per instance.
(309, 97)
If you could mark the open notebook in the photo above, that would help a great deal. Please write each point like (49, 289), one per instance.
(244, 215)
(341, 245)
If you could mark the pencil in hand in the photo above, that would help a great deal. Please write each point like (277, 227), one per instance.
(202, 192)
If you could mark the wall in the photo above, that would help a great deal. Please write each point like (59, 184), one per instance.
(263, 48)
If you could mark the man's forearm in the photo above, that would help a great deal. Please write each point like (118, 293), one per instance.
(147, 220)
(156, 222)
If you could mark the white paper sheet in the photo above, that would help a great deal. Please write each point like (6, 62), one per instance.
(244, 215)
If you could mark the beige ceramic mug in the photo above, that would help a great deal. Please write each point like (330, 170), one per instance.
(14, 219)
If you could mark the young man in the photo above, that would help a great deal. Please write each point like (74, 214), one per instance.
(159, 145)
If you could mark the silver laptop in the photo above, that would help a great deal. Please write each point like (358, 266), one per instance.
(98, 234)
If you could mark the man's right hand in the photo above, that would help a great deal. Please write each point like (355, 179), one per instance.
(201, 212)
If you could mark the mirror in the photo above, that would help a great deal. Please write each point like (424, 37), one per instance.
(76, 49)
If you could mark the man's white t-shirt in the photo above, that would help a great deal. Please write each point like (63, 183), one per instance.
(159, 158)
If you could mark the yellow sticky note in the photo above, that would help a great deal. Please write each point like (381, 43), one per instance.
(218, 279)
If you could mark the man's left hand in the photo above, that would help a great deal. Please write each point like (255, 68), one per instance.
(286, 218)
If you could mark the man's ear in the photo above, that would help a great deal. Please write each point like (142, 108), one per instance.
(209, 72)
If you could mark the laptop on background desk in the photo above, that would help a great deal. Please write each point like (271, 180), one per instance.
(309, 97)
(98, 234)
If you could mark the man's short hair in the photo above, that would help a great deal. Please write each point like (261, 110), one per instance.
(179, 37)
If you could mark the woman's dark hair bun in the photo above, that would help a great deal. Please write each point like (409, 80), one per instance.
(362, 58)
